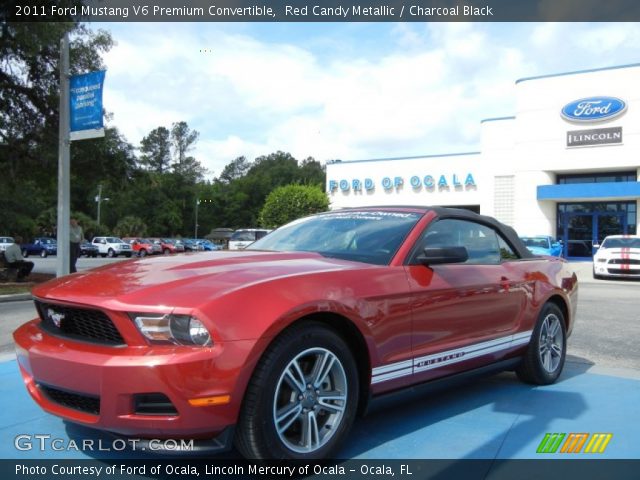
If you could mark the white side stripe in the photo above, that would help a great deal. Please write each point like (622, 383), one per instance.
(437, 360)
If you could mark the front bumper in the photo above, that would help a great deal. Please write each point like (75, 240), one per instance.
(101, 386)
(618, 269)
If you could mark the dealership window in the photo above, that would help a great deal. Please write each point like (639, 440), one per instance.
(585, 224)
(603, 177)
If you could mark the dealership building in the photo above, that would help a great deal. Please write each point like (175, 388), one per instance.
(566, 164)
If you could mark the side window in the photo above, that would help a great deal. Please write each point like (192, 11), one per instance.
(506, 252)
(482, 243)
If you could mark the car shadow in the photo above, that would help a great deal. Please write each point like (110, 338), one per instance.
(465, 410)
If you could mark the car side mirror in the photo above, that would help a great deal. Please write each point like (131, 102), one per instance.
(440, 255)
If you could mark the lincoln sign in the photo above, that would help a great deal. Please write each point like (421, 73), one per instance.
(596, 136)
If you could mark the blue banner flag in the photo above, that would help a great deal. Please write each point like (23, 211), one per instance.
(86, 106)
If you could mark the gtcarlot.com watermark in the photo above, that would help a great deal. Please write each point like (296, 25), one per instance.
(43, 442)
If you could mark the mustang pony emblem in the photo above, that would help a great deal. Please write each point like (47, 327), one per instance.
(55, 317)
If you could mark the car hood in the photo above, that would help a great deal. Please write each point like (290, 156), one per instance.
(617, 252)
(183, 281)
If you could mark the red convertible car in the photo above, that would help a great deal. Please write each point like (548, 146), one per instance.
(278, 348)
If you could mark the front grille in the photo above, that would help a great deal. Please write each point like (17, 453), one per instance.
(623, 261)
(76, 401)
(620, 271)
(79, 324)
(153, 404)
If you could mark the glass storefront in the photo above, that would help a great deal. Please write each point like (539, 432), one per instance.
(583, 225)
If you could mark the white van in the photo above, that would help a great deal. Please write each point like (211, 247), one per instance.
(244, 237)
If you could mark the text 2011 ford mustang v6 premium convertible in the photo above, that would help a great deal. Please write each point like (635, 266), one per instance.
(279, 347)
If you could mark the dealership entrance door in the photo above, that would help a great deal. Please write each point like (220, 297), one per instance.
(580, 226)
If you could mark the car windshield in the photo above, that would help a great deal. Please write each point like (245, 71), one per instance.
(542, 242)
(114, 240)
(369, 236)
(629, 242)
(241, 236)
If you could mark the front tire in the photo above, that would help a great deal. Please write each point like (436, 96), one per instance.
(43, 254)
(25, 253)
(302, 398)
(544, 360)
(111, 253)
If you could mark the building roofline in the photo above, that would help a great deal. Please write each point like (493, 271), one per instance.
(577, 72)
(404, 158)
(497, 119)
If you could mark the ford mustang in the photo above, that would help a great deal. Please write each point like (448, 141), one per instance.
(618, 256)
(279, 347)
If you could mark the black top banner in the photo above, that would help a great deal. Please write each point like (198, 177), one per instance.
(321, 11)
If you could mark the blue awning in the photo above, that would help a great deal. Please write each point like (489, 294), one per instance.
(590, 191)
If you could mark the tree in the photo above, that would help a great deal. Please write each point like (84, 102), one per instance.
(131, 226)
(29, 76)
(183, 140)
(156, 150)
(287, 203)
(234, 170)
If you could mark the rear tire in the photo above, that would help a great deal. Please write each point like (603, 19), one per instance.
(302, 398)
(111, 253)
(544, 360)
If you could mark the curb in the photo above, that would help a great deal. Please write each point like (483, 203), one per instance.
(16, 297)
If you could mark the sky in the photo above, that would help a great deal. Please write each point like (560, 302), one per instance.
(347, 91)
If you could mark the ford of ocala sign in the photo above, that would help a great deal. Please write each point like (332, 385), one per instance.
(593, 109)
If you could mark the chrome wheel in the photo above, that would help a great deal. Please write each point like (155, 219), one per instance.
(551, 343)
(310, 400)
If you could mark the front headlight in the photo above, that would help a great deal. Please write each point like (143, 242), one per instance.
(170, 328)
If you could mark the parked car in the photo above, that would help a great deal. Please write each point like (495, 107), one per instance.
(617, 256)
(88, 249)
(543, 245)
(190, 245)
(168, 245)
(5, 242)
(143, 246)
(280, 346)
(43, 246)
(207, 245)
(246, 236)
(112, 246)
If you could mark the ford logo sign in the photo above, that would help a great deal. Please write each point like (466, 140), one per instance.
(594, 109)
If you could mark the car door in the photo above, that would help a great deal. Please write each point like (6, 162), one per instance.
(463, 314)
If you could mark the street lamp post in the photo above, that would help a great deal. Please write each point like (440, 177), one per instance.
(99, 200)
(198, 202)
(195, 233)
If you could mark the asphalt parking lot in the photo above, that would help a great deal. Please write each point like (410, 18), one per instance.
(492, 418)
